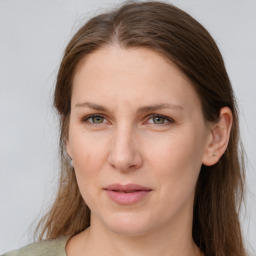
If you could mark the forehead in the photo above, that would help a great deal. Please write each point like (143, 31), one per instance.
(135, 75)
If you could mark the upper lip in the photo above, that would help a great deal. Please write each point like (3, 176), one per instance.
(127, 187)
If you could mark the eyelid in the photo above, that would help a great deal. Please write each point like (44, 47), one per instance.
(148, 117)
(85, 118)
(169, 119)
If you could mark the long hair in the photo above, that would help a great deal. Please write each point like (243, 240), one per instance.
(174, 34)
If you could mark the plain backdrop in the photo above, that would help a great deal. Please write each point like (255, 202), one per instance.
(33, 35)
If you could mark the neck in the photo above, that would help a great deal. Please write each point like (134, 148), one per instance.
(150, 245)
(171, 240)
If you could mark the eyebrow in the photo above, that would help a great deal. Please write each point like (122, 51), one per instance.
(143, 109)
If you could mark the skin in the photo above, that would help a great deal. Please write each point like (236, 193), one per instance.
(126, 144)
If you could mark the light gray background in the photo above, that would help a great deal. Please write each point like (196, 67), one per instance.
(33, 34)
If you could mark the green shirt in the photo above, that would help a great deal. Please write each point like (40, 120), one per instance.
(43, 248)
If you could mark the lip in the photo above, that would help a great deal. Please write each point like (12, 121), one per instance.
(127, 194)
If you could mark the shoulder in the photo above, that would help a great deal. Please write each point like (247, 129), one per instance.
(43, 248)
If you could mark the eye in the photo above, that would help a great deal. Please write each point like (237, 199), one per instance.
(160, 120)
(94, 119)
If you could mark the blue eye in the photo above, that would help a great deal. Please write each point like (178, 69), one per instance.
(158, 119)
(152, 119)
(95, 119)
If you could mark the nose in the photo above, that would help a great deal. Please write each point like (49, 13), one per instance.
(124, 152)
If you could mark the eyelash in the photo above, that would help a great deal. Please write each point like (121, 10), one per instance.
(168, 119)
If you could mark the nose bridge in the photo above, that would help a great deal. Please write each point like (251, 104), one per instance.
(124, 153)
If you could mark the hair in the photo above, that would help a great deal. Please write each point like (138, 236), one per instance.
(174, 34)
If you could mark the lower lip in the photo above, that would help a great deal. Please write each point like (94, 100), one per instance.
(127, 198)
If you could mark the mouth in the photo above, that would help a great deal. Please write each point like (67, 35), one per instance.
(127, 194)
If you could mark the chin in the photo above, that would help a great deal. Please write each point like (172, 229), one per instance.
(128, 224)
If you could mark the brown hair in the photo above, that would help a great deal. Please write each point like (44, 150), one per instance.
(176, 35)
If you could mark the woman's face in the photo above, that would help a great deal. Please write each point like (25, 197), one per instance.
(137, 138)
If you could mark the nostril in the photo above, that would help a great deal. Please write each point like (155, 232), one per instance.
(124, 154)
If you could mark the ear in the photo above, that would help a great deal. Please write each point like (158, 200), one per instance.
(218, 137)
(68, 149)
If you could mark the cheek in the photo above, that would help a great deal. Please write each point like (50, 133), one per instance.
(89, 155)
(177, 162)
(87, 165)
(87, 149)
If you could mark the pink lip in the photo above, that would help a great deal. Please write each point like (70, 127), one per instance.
(127, 194)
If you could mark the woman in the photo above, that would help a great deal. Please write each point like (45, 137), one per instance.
(149, 141)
